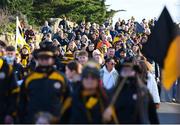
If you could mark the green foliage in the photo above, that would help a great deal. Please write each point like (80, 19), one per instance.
(23, 6)
(89, 10)
(9, 27)
(5, 24)
(37, 11)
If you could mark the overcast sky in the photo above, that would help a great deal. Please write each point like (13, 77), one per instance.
(144, 8)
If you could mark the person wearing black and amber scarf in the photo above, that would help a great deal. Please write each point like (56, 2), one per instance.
(89, 102)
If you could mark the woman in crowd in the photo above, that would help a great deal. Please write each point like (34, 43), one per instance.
(73, 71)
(149, 80)
(109, 75)
(98, 57)
(89, 102)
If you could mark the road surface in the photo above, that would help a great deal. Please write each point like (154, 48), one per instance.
(169, 113)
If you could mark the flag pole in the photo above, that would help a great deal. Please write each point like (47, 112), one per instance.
(16, 32)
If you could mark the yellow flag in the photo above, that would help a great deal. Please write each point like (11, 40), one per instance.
(20, 41)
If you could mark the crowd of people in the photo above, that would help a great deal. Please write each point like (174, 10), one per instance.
(88, 73)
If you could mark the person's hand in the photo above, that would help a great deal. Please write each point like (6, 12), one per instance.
(107, 115)
(8, 119)
(157, 80)
(157, 105)
(65, 58)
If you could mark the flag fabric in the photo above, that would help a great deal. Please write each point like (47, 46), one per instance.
(163, 46)
(20, 41)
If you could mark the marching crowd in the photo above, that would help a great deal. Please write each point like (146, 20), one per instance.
(88, 73)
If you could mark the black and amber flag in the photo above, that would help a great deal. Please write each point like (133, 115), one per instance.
(163, 46)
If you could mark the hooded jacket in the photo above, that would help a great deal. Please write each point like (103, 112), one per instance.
(109, 78)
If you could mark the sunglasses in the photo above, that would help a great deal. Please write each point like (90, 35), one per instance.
(44, 57)
(112, 63)
(90, 77)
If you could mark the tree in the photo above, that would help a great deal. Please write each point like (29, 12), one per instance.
(38, 11)
(75, 10)
(23, 6)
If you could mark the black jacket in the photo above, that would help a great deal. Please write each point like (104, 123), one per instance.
(73, 86)
(42, 91)
(80, 114)
(8, 91)
(19, 71)
(135, 105)
(64, 24)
